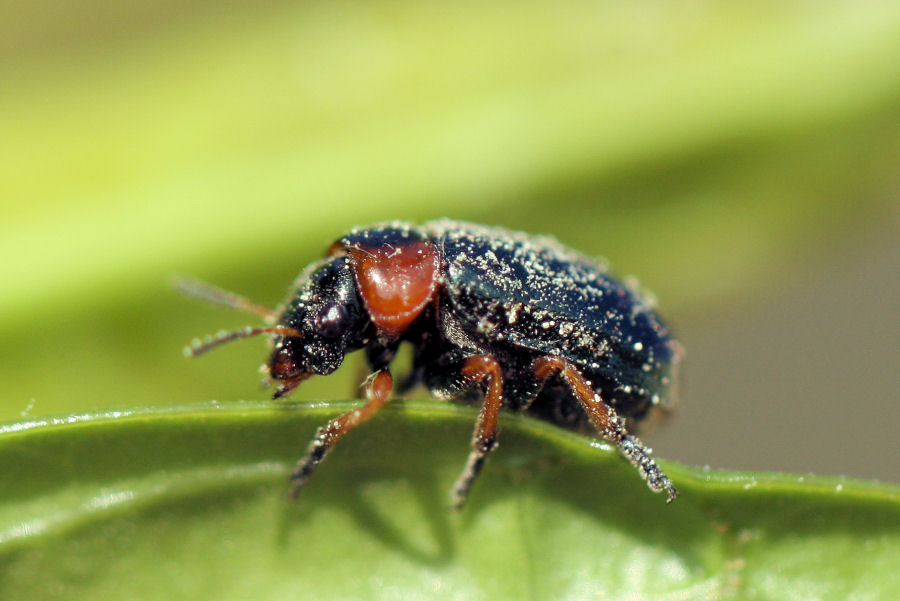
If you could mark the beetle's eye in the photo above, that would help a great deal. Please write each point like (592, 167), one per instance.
(332, 321)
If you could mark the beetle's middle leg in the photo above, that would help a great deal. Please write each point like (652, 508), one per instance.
(378, 389)
(605, 420)
(484, 439)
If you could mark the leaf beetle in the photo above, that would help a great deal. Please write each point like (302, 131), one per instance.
(523, 322)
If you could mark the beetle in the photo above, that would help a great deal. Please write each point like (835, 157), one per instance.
(494, 316)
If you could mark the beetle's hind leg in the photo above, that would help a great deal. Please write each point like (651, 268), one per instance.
(484, 439)
(605, 420)
(378, 390)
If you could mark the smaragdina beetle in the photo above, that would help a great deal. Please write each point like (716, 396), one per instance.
(531, 325)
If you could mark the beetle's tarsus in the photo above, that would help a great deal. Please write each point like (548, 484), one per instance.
(640, 457)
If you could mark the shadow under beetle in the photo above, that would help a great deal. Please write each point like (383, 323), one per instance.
(531, 325)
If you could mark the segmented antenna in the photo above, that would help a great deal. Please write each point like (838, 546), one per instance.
(198, 347)
(216, 296)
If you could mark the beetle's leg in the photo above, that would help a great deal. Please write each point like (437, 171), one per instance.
(484, 440)
(378, 389)
(606, 421)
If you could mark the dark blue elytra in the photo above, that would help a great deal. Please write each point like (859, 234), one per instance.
(515, 295)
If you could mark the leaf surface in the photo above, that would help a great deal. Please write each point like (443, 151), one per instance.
(189, 502)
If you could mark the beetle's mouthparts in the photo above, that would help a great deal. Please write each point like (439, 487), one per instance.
(285, 387)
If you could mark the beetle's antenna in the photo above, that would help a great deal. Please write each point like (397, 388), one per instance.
(216, 296)
(198, 347)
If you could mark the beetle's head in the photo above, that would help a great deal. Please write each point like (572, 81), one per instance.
(322, 320)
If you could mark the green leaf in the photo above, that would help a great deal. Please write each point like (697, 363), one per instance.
(189, 502)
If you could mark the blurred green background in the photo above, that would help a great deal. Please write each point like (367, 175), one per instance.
(742, 160)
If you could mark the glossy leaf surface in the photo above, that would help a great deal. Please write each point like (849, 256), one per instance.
(189, 503)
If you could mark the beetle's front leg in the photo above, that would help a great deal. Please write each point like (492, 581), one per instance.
(378, 389)
(484, 440)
